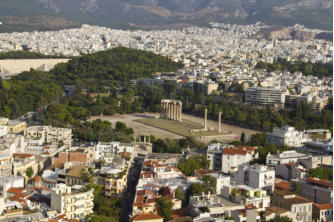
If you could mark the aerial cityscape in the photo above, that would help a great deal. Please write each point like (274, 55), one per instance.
(156, 111)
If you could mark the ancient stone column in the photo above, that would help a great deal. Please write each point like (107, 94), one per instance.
(165, 110)
(175, 110)
(219, 121)
(161, 109)
(180, 112)
(205, 119)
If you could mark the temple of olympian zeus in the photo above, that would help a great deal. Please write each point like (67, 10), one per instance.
(171, 109)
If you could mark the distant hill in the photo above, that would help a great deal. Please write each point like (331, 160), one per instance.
(282, 32)
(162, 13)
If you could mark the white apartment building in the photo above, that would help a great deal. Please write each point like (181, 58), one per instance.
(257, 176)
(245, 195)
(102, 148)
(291, 156)
(9, 181)
(265, 96)
(227, 158)
(287, 135)
(3, 130)
(74, 202)
(49, 134)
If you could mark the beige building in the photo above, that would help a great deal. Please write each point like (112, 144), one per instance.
(5, 164)
(74, 202)
(207, 87)
(317, 134)
(114, 181)
(246, 195)
(300, 206)
(272, 212)
(15, 126)
(21, 162)
(49, 134)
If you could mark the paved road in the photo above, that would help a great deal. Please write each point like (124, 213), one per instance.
(130, 193)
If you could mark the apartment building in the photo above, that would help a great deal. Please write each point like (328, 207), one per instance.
(207, 87)
(113, 181)
(3, 130)
(296, 204)
(317, 134)
(273, 211)
(5, 164)
(7, 182)
(286, 136)
(265, 96)
(75, 202)
(246, 195)
(23, 161)
(249, 214)
(285, 157)
(227, 158)
(288, 171)
(322, 212)
(15, 126)
(50, 135)
(257, 176)
(317, 190)
(104, 148)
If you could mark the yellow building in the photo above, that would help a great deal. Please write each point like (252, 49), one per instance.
(5, 164)
(21, 162)
(75, 202)
(15, 126)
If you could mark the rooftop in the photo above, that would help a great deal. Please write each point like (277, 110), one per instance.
(146, 217)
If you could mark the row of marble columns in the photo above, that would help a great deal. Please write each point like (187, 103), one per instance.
(171, 109)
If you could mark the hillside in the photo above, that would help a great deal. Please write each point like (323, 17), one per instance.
(118, 64)
(162, 13)
(282, 32)
(34, 89)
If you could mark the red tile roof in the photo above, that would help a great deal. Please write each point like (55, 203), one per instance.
(283, 185)
(22, 155)
(37, 179)
(247, 148)
(146, 217)
(250, 207)
(232, 151)
(15, 190)
(323, 183)
(204, 171)
(324, 206)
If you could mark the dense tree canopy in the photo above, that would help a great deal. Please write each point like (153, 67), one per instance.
(26, 55)
(105, 208)
(325, 174)
(119, 64)
(189, 165)
(164, 208)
